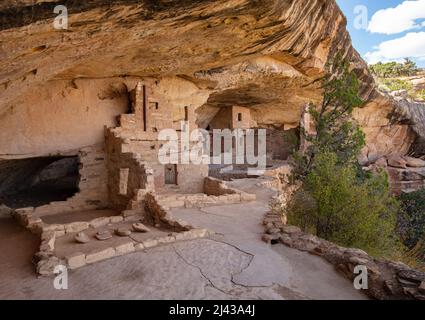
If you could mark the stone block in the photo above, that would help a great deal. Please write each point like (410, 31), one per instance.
(60, 233)
(53, 227)
(100, 255)
(248, 197)
(76, 260)
(199, 233)
(132, 218)
(139, 246)
(150, 243)
(167, 239)
(36, 228)
(291, 229)
(47, 266)
(99, 222)
(125, 248)
(231, 198)
(48, 240)
(129, 213)
(24, 211)
(76, 227)
(116, 219)
(179, 236)
(33, 220)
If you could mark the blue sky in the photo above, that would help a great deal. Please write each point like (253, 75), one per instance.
(390, 29)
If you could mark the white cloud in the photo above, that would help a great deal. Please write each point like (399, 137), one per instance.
(412, 45)
(399, 19)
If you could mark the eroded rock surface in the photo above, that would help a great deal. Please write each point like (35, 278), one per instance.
(267, 55)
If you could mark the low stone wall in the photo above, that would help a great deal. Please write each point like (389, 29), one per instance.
(78, 260)
(217, 192)
(46, 260)
(275, 169)
(387, 280)
(216, 187)
(160, 215)
(35, 224)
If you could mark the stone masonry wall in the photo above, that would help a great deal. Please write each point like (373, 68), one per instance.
(138, 136)
(128, 174)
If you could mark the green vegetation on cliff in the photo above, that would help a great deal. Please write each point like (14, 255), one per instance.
(393, 76)
(338, 201)
(394, 69)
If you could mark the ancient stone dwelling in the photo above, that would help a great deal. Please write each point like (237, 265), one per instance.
(63, 189)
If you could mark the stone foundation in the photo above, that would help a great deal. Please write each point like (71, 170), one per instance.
(216, 192)
(387, 280)
(47, 258)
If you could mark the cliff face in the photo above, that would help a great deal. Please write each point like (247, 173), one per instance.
(267, 55)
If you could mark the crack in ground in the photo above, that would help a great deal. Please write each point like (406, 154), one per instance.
(213, 214)
(284, 291)
(200, 271)
(232, 275)
(210, 281)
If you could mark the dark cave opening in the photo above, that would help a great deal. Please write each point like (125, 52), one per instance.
(38, 181)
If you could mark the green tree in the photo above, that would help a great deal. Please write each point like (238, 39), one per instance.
(335, 131)
(409, 67)
(338, 200)
(394, 69)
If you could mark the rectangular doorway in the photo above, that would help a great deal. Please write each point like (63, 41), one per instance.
(170, 174)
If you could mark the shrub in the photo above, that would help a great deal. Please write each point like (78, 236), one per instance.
(397, 84)
(411, 221)
(337, 205)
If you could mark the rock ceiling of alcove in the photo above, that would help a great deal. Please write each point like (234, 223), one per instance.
(266, 53)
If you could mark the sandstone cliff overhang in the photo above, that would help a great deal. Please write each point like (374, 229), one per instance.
(268, 55)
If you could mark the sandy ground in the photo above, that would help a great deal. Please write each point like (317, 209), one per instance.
(233, 264)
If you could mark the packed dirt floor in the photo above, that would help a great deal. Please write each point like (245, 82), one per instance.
(231, 264)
